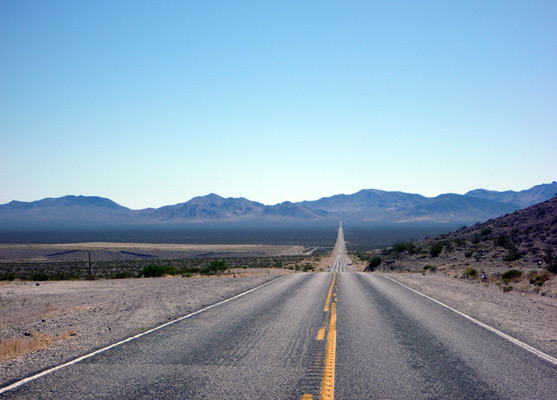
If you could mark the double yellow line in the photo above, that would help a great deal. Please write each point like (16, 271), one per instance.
(327, 391)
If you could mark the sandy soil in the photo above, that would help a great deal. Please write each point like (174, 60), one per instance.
(99, 313)
(527, 316)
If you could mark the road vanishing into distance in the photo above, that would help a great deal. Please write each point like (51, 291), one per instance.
(341, 261)
(344, 335)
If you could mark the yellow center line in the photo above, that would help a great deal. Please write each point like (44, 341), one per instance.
(327, 391)
(326, 309)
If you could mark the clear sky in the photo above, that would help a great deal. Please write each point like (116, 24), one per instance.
(151, 103)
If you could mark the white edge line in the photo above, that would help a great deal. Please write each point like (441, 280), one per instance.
(75, 361)
(511, 339)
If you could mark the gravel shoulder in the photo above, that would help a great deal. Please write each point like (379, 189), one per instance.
(95, 314)
(528, 317)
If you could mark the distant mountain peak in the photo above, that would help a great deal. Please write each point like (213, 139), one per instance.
(367, 205)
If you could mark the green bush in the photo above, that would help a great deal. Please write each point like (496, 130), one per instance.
(435, 249)
(7, 276)
(158, 270)
(374, 263)
(364, 257)
(513, 255)
(122, 275)
(538, 280)
(216, 267)
(552, 267)
(511, 274)
(400, 247)
(40, 276)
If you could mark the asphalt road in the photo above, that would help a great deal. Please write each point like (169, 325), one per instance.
(341, 261)
(347, 335)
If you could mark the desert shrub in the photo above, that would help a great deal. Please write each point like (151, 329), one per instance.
(548, 256)
(468, 254)
(364, 257)
(486, 231)
(374, 263)
(216, 267)
(122, 275)
(67, 276)
(512, 255)
(471, 273)
(7, 276)
(435, 249)
(502, 241)
(552, 267)
(158, 270)
(400, 247)
(537, 280)
(40, 276)
(507, 289)
(460, 242)
(448, 246)
(511, 274)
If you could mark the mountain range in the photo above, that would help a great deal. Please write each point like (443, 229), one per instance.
(367, 206)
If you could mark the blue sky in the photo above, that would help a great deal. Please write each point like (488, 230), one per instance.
(153, 103)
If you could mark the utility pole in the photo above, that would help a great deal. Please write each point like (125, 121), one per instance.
(89, 262)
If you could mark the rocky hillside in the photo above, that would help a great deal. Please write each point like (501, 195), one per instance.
(524, 236)
(525, 241)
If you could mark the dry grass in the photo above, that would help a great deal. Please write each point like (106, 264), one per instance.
(10, 348)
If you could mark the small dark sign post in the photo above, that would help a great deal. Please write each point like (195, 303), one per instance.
(89, 263)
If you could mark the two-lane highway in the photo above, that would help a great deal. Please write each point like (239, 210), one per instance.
(308, 336)
(341, 261)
